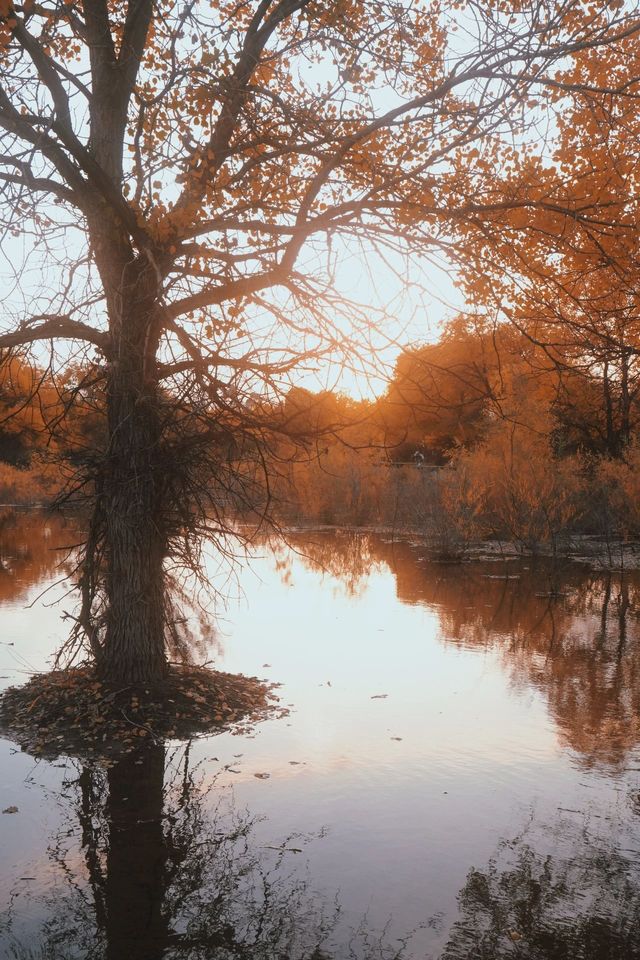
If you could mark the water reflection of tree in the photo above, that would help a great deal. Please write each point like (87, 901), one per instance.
(347, 556)
(533, 907)
(34, 547)
(571, 632)
(169, 869)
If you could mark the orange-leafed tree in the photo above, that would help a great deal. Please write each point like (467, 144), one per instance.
(184, 182)
(28, 402)
(440, 394)
(569, 286)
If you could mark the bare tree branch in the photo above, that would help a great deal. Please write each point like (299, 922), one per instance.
(53, 328)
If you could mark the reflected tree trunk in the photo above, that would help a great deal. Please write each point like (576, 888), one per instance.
(604, 616)
(136, 928)
(623, 609)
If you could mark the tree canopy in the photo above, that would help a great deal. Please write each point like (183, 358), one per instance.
(189, 183)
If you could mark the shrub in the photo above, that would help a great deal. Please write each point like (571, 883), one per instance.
(513, 487)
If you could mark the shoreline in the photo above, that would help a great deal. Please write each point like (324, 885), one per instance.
(590, 549)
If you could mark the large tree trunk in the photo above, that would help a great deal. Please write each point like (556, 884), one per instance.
(132, 499)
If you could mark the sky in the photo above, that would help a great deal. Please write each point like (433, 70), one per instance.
(417, 313)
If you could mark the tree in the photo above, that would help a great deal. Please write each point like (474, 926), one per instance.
(439, 394)
(571, 289)
(189, 179)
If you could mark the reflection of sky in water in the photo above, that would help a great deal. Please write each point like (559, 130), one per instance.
(487, 750)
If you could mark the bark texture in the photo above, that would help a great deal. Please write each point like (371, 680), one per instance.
(133, 494)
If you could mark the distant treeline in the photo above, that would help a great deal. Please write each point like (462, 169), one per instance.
(484, 434)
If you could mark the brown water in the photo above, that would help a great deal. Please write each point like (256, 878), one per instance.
(459, 776)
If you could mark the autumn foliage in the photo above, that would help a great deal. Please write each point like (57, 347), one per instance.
(191, 184)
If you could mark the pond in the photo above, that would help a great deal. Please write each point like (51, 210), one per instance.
(458, 776)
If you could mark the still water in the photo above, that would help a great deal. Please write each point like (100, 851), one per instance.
(459, 776)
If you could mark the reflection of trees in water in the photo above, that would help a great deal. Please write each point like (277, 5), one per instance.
(346, 556)
(154, 863)
(579, 644)
(570, 632)
(32, 549)
(169, 869)
(533, 907)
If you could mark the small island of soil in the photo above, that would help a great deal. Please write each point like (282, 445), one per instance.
(73, 712)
